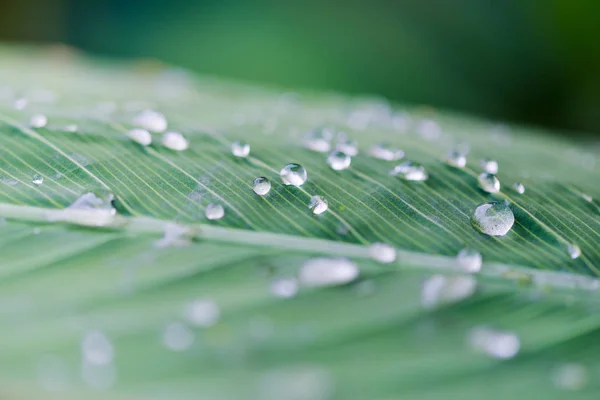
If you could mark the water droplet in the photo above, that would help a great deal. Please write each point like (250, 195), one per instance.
(319, 140)
(494, 218)
(261, 186)
(174, 235)
(570, 376)
(318, 205)
(293, 174)
(497, 344)
(489, 166)
(71, 128)
(456, 159)
(328, 272)
(587, 197)
(37, 179)
(20, 104)
(519, 188)
(384, 151)
(410, 171)
(338, 160)
(96, 349)
(574, 251)
(440, 289)
(141, 136)
(151, 120)
(429, 129)
(469, 259)
(202, 312)
(240, 149)
(488, 182)
(214, 211)
(88, 209)
(175, 141)
(284, 287)
(38, 121)
(382, 252)
(346, 145)
(9, 181)
(177, 336)
(93, 201)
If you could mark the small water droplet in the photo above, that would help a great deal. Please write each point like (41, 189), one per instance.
(174, 235)
(456, 159)
(71, 128)
(495, 343)
(410, 171)
(519, 187)
(338, 160)
(240, 149)
(202, 312)
(489, 166)
(37, 179)
(319, 139)
(570, 376)
(20, 104)
(488, 182)
(38, 121)
(328, 272)
(96, 348)
(151, 120)
(346, 145)
(177, 336)
(318, 205)
(382, 252)
(284, 287)
(429, 129)
(9, 181)
(494, 218)
(384, 151)
(214, 211)
(469, 259)
(440, 289)
(574, 251)
(587, 197)
(261, 186)
(293, 174)
(141, 136)
(175, 141)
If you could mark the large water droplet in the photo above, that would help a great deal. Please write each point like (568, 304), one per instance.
(384, 151)
(177, 336)
(441, 289)
(38, 121)
(202, 312)
(570, 376)
(328, 272)
(37, 179)
(318, 205)
(175, 141)
(456, 159)
(382, 252)
(293, 174)
(89, 209)
(261, 186)
(519, 188)
(410, 171)
(96, 349)
(240, 149)
(151, 120)
(141, 136)
(494, 218)
(495, 343)
(489, 166)
(574, 251)
(338, 160)
(469, 259)
(284, 287)
(214, 211)
(488, 182)
(319, 139)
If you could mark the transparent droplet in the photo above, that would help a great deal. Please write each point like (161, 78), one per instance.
(456, 159)
(20, 104)
(240, 149)
(328, 271)
(489, 166)
(318, 205)
(319, 140)
(261, 186)
(488, 182)
(202, 312)
(214, 211)
(151, 120)
(177, 336)
(440, 289)
(410, 171)
(469, 259)
(37, 179)
(570, 376)
(38, 121)
(284, 287)
(293, 174)
(429, 129)
(347, 146)
(495, 343)
(71, 128)
(175, 141)
(89, 209)
(519, 188)
(587, 197)
(574, 251)
(338, 160)
(96, 349)
(93, 201)
(141, 136)
(382, 252)
(494, 218)
(174, 235)
(384, 151)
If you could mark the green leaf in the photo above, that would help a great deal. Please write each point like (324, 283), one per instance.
(371, 338)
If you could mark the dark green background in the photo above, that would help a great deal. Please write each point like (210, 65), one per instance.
(536, 62)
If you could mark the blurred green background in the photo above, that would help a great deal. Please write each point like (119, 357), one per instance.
(535, 62)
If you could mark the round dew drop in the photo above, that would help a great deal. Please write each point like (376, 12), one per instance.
(319, 139)
(410, 171)
(141, 136)
(574, 251)
(38, 121)
(456, 159)
(494, 218)
(293, 174)
(327, 272)
(469, 260)
(489, 166)
(318, 205)
(214, 211)
(284, 287)
(383, 151)
(202, 312)
(177, 336)
(175, 141)
(497, 344)
(382, 252)
(338, 160)
(519, 188)
(37, 179)
(441, 289)
(150, 120)
(261, 186)
(240, 149)
(347, 146)
(488, 182)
